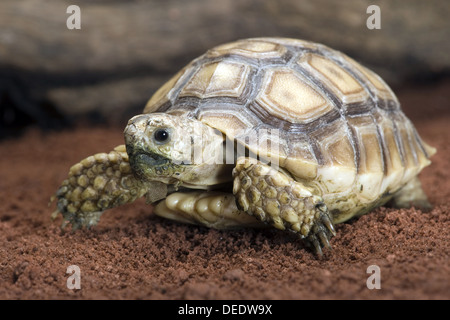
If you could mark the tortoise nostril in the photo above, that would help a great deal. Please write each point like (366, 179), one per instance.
(136, 124)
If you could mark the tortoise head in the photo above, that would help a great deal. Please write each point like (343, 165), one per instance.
(175, 150)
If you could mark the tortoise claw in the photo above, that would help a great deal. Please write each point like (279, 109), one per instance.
(324, 239)
(316, 245)
(328, 223)
(321, 232)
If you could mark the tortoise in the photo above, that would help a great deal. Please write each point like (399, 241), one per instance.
(259, 132)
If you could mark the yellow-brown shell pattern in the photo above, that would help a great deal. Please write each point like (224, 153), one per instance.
(341, 126)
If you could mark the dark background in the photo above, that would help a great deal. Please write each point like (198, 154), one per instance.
(106, 71)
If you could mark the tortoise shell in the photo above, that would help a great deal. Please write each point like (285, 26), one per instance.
(340, 127)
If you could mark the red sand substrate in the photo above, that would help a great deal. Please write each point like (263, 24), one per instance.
(132, 254)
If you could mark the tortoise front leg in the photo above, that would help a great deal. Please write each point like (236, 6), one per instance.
(277, 199)
(97, 183)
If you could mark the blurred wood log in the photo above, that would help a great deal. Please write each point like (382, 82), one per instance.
(126, 49)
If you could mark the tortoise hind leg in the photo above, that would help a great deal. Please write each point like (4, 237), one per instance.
(411, 195)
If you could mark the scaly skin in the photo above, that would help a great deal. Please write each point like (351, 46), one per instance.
(208, 208)
(108, 180)
(97, 183)
(282, 202)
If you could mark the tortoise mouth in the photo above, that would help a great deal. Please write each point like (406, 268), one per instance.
(142, 155)
(149, 159)
(146, 164)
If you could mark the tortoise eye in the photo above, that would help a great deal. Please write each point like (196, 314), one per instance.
(161, 136)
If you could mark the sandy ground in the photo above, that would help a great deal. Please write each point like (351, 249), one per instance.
(133, 254)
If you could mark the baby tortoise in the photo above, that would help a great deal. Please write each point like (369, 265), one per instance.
(263, 131)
